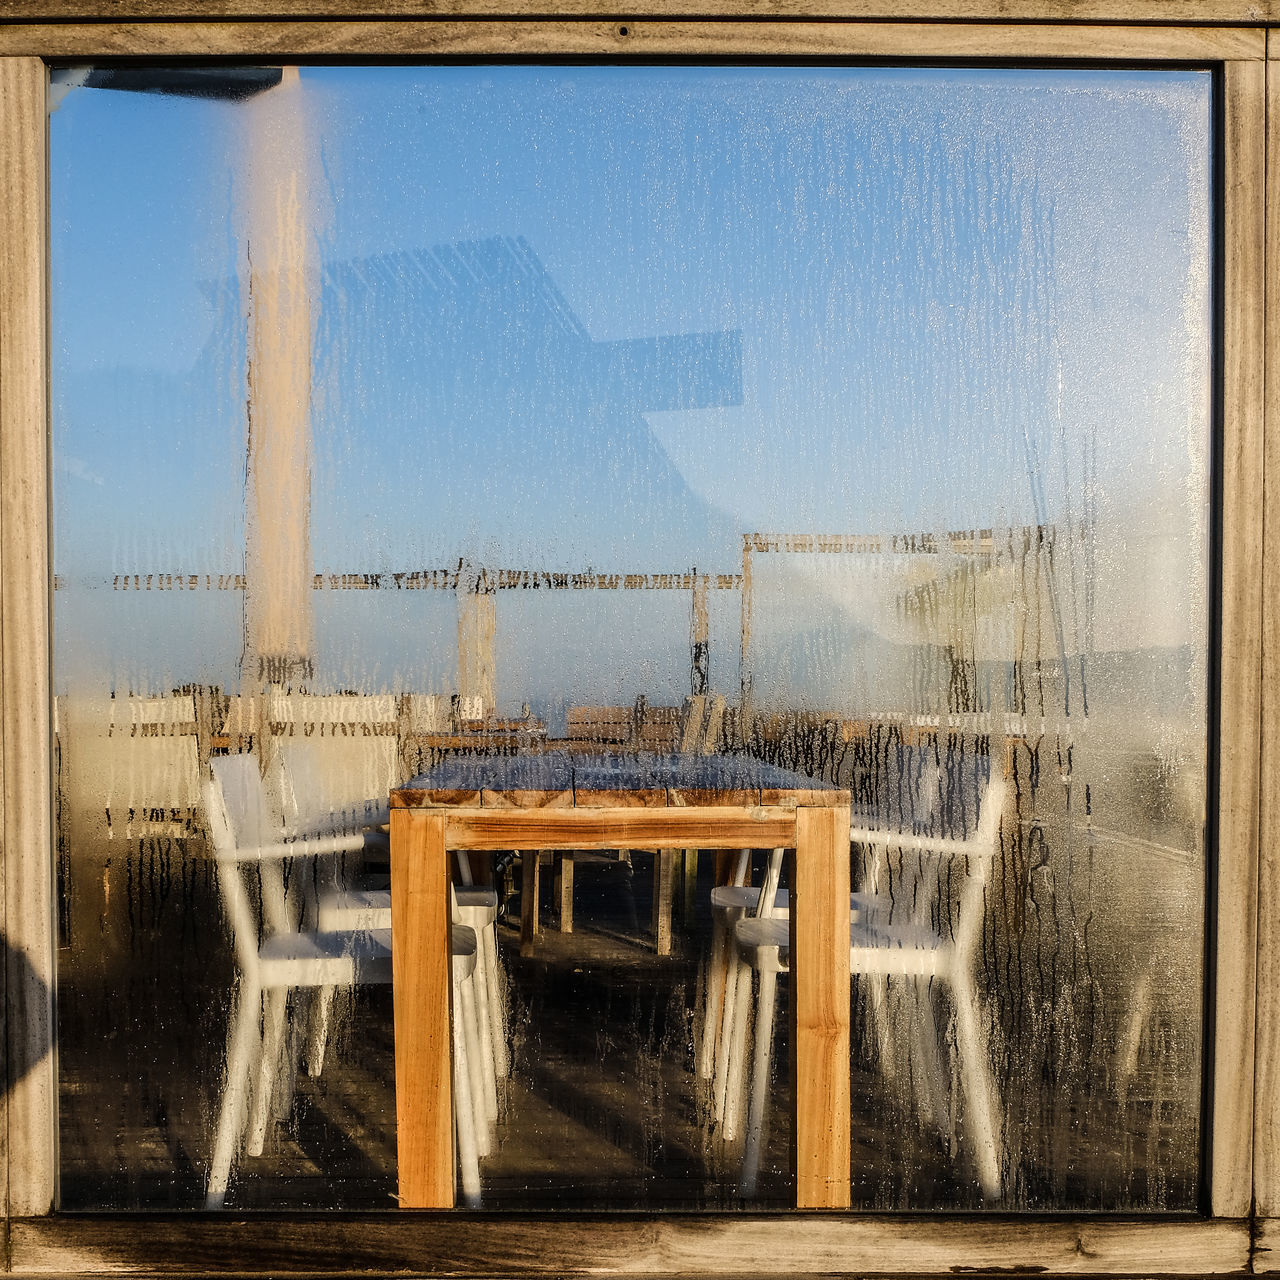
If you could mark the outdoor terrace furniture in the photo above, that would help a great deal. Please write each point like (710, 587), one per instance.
(727, 980)
(279, 954)
(563, 800)
(694, 729)
(885, 948)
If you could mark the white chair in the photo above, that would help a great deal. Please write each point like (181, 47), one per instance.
(337, 783)
(732, 902)
(727, 973)
(275, 957)
(912, 950)
(474, 907)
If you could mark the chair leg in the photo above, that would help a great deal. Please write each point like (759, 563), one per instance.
(484, 1028)
(285, 1087)
(760, 1062)
(465, 1012)
(735, 975)
(980, 1117)
(878, 993)
(242, 1042)
(272, 1043)
(464, 1116)
(736, 1076)
(717, 978)
(497, 1000)
(321, 1016)
(928, 1079)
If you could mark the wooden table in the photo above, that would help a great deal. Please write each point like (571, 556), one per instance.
(558, 801)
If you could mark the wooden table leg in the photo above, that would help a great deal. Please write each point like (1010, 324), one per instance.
(421, 973)
(689, 879)
(564, 890)
(529, 888)
(820, 1007)
(664, 878)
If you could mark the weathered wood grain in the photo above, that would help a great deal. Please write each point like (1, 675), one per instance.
(1230, 1163)
(738, 1245)
(1208, 12)
(526, 798)
(627, 37)
(1266, 1245)
(1266, 1170)
(24, 629)
(640, 798)
(820, 1007)
(422, 991)
(708, 828)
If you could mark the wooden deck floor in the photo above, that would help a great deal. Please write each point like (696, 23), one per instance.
(602, 1110)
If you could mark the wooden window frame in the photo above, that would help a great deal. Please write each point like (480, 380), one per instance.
(1242, 1155)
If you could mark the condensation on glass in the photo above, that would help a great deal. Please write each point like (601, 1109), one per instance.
(855, 420)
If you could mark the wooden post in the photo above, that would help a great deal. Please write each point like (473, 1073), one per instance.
(663, 887)
(477, 627)
(422, 973)
(564, 890)
(31, 1092)
(820, 1007)
(529, 929)
(699, 637)
(278, 570)
(744, 664)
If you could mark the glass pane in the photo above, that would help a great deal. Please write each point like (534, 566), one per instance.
(550, 424)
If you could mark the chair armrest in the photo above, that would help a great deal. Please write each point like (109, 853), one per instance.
(301, 848)
(884, 837)
(372, 822)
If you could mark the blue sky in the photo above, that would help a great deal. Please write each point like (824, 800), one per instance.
(943, 282)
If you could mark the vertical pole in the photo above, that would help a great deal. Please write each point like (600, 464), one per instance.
(29, 1108)
(699, 637)
(744, 715)
(279, 637)
(477, 629)
(820, 1007)
(422, 987)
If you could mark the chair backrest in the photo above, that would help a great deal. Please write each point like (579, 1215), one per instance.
(984, 845)
(915, 859)
(336, 783)
(243, 815)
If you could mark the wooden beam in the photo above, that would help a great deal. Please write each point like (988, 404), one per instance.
(1208, 12)
(708, 828)
(820, 1008)
(592, 37)
(1239, 797)
(721, 1244)
(1266, 1085)
(25, 800)
(422, 974)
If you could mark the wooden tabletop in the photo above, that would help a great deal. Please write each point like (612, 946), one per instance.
(556, 779)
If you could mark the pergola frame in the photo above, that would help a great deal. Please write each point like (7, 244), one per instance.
(1242, 1153)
